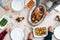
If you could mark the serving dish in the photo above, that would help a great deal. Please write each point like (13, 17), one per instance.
(17, 34)
(57, 32)
(39, 29)
(30, 13)
(17, 5)
(6, 18)
(26, 1)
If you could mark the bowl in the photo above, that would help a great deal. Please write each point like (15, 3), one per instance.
(30, 12)
(6, 19)
(41, 35)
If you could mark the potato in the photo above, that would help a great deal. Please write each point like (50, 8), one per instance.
(40, 31)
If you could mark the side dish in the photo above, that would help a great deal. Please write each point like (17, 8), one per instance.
(30, 4)
(3, 22)
(40, 31)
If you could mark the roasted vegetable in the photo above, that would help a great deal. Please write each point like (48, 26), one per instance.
(40, 31)
(3, 22)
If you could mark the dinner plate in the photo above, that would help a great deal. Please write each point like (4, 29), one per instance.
(57, 32)
(17, 5)
(17, 34)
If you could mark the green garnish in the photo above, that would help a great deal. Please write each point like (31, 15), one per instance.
(3, 22)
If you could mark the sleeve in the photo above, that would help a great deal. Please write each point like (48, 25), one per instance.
(2, 35)
(53, 6)
(2, 4)
(49, 36)
(29, 39)
(53, 0)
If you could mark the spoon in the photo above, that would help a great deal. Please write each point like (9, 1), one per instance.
(37, 3)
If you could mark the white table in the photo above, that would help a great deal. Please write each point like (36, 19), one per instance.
(49, 20)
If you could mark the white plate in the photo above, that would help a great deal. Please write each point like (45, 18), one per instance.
(7, 18)
(58, 8)
(17, 5)
(17, 34)
(57, 32)
(41, 35)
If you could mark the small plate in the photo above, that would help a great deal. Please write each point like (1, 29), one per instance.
(57, 32)
(17, 5)
(7, 18)
(17, 34)
(41, 35)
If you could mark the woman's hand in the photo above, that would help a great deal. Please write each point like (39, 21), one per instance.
(7, 29)
(30, 36)
(51, 28)
(6, 8)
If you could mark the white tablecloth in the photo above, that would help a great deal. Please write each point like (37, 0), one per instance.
(49, 20)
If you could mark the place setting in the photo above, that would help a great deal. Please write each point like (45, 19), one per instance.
(17, 34)
(17, 5)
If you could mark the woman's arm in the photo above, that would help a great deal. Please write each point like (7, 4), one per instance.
(53, 0)
(29, 39)
(30, 36)
(49, 36)
(2, 35)
(50, 32)
(55, 4)
(2, 4)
